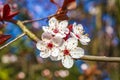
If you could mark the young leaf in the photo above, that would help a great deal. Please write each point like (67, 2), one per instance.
(6, 13)
(4, 38)
(62, 11)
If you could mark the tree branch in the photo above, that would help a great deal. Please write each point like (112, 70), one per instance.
(28, 32)
(100, 58)
(2, 47)
(29, 21)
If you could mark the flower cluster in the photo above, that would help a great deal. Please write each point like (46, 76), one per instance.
(60, 42)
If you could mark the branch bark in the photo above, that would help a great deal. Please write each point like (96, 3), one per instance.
(100, 58)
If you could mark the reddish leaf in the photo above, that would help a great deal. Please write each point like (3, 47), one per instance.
(4, 38)
(12, 15)
(62, 12)
(7, 14)
(6, 10)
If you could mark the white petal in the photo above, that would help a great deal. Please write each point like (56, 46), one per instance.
(67, 62)
(61, 35)
(53, 22)
(77, 29)
(55, 52)
(41, 45)
(63, 24)
(77, 53)
(84, 39)
(45, 28)
(46, 36)
(71, 43)
(57, 41)
(66, 31)
(45, 54)
(59, 57)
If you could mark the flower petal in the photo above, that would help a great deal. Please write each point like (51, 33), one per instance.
(46, 36)
(41, 45)
(77, 29)
(45, 28)
(71, 43)
(57, 41)
(45, 54)
(77, 53)
(55, 52)
(61, 35)
(84, 40)
(63, 24)
(67, 62)
(53, 22)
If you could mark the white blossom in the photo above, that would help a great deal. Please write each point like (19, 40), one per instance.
(78, 33)
(48, 45)
(69, 50)
(57, 28)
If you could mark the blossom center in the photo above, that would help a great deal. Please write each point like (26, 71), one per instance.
(50, 45)
(66, 52)
(55, 30)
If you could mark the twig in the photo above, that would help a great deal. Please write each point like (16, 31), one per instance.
(29, 21)
(27, 31)
(100, 58)
(12, 41)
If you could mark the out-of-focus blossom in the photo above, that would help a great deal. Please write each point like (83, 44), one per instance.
(21, 75)
(46, 73)
(57, 28)
(9, 58)
(109, 30)
(62, 73)
(78, 33)
(84, 66)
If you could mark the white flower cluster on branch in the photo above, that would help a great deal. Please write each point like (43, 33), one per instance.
(60, 42)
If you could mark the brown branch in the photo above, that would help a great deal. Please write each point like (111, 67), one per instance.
(100, 58)
(2, 47)
(29, 21)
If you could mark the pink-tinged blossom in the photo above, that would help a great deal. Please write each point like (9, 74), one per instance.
(57, 28)
(78, 33)
(60, 41)
(69, 50)
(49, 45)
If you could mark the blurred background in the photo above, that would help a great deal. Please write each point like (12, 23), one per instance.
(101, 20)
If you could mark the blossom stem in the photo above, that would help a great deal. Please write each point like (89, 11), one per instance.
(2, 47)
(100, 58)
